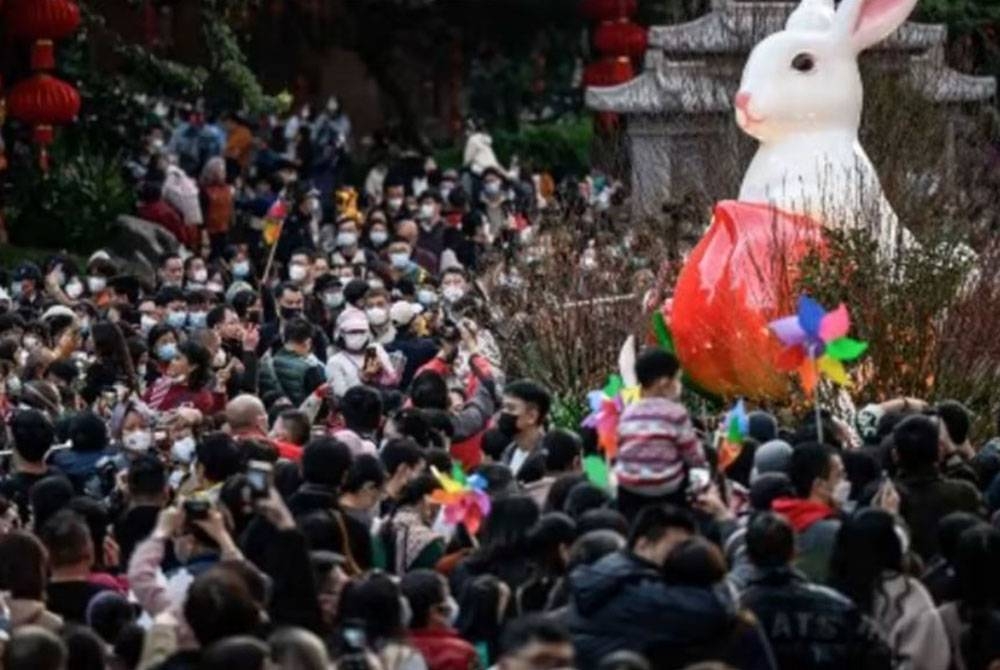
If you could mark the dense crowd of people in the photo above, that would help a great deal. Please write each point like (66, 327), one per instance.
(243, 464)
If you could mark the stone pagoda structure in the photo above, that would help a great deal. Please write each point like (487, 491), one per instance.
(678, 111)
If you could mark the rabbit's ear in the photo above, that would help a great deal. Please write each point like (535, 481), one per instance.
(862, 23)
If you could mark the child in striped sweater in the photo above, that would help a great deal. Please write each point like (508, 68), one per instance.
(656, 441)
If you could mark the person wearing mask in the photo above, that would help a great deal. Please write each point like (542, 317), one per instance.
(454, 285)
(493, 200)
(363, 488)
(347, 249)
(523, 414)
(431, 237)
(171, 271)
(377, 303)
(290, 304)
(402, 264)
(415, 350)
(195, 273)
(394, 196)
(33, 436)
(926, 495)
(657, 443)
(293, 371)
(623, 602)
(184, 383)
(432, 622)
(408, 231)
(359, 361)
(71, 554)
(834, 635)
(376, 237)
(867, 566)
(238, 349)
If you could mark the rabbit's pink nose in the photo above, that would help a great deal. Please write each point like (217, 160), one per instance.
(742, 100)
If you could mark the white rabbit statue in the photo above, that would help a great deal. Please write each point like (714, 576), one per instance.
(801, 97)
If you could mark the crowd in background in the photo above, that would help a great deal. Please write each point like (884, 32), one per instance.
(244, 464)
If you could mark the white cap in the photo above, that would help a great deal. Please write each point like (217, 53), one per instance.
(58, 310)
(403, 312)
(99, 255)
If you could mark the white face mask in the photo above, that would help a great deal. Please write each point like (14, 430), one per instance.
(379, 237)
(346, 239)
(452, 293)
(395, 204)
(137, 440)
(182, 450)
(220, 359)
(200, 276)
(146, 323)
(74, 289)
(426, 211)
(377, 316)
(334, 299)
(297, 272)
(841, 492)
(96, 284)
(355, 341)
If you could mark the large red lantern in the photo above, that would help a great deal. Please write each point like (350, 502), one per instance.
(620, 38)
(608, 72)
(42, 19)
(605, 10)
(43, 101)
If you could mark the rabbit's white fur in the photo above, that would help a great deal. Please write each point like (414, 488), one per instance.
(809, 160)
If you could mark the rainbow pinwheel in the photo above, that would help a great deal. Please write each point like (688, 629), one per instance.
(464, 500)
(816, 343)
(606, 407)
(737, 426)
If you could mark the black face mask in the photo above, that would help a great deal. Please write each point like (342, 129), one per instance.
(507, 424)
(289, 313)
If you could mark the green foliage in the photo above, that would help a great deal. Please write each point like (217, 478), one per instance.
(73, 206)
(231, 83)
(563, 146)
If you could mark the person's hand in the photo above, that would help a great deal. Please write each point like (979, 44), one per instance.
(467, 329)
(112, 552)
(215, 527)
(710, 502)
(170, 521)
(275, 511)
(223, 375)
(887, 497)
(251, 338)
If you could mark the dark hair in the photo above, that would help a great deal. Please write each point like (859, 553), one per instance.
(429, 391)
(219, 455)
(243, 652)
(95, 514)
(66, 537)
(413, 423)
(593, 546)
(767, 488)
(494, 443)
(976, 578)
(287, 477)
(48, 496)
(23, 565)
(296, 424)
(531, 393)
(298, 331)
(286, 286)
(361, 408)
(128, 645)
(695, 562)
(155, 333)
(810, 461)
(866, 547)
(533, 628)
(956, 420)
(424, 590)
(326, 461)
(479, 616)
(33, 434)
(400, 451)
(555, 501)
(533, 468)
(322, 532)
(88, 432)
(762, 426)
(653, 522)
(219, 605)
(499, 479)
(415, 490)
(146, 476)
(950, 529)
(217, 315)
(585, 497)
(602, 519)
(654, 364)
(770, 540)
(552, 531)
(34, 648)
(200, 361)
(916, 439)
(365, 468)
(505, 532)
(375, 602)
(561, 448)
(108, 613)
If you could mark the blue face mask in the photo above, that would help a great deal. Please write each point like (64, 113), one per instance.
(177, 319)
(400, 261)
(241, 269)
(427, 297)
(166, 352)
(197, 319)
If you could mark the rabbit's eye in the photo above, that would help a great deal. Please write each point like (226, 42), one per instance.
(804, 62)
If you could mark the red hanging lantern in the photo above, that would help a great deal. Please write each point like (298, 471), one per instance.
(43, 101)
(621, 38)
(608, 72)
(606, 10)
(42, 19)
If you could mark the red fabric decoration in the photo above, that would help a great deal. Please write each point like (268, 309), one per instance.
(604, 10)
(42, 19)
(740, 276)
(621, 38)
(608, 72)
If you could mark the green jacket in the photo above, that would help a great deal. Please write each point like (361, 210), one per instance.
(295, 376)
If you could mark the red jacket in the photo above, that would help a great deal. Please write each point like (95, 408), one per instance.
(160, 211)
(443, 649)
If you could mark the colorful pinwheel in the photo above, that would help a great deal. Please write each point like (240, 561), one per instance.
(737, 426)
(464, 500)
(816, 343)
(606, 406)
